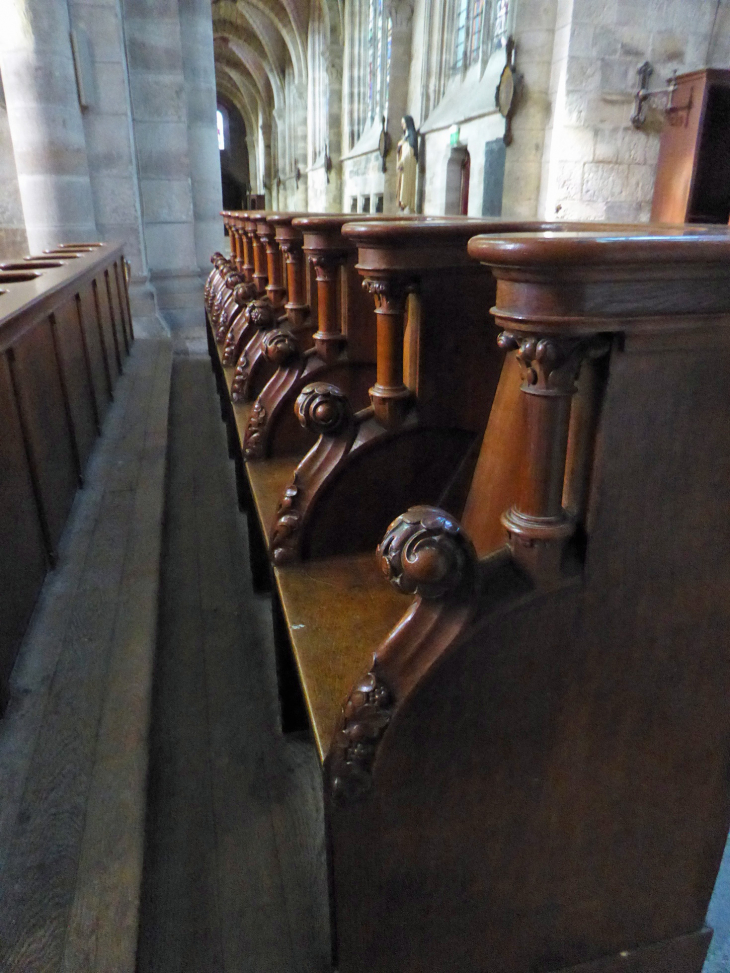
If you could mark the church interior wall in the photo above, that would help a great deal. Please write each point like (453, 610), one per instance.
(13, 238)
(312, 81)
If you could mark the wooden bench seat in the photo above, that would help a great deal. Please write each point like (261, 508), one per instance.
(335, 609)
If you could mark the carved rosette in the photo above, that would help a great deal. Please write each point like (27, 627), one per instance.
(365, 718)
(260, 314)
(426, 552)
(323, 409)
(244, 293)
(550, 365)
(252, 441)
(280, 347)
(288, 521)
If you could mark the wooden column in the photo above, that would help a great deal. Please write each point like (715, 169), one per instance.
(275, 288)
(537, 525)
(390, 396)
(328, 338)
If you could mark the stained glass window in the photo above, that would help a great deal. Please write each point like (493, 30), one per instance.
(461, 19)
(221, 130)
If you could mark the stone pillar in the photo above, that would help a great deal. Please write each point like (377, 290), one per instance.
(111, 150)
(45, 122)
(196, 31)
(160, 123)
(13, 241)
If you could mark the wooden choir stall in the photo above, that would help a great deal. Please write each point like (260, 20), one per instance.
(499, 554)
(65, 330)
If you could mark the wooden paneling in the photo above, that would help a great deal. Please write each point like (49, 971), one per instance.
(62, 338)
(77, 379)
(95, 343)
(23, 557)
(45, 421)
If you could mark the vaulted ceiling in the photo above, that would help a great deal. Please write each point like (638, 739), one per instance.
(256, 41)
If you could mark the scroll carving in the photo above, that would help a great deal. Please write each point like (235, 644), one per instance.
(365, 718)
(260, 316)
(323, 409)
(280, 347)
(426, 552)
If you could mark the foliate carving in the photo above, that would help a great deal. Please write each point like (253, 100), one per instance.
(229, 349)
(288, 521)
(243, 293)
(240, 377)
(326, 265)
(426, 552)
(550, 366)
(252, 441)
(390, 294)
(280, 347)
(323, 409)
(260, 314)
(290, 248)
(365, 718)
(233, 280)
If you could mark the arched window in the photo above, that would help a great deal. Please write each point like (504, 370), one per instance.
(318, 83)
(221, 130)
(380, 43)
(468, 31)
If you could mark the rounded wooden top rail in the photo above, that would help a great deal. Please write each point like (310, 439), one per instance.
(44, 287)
(658, 244)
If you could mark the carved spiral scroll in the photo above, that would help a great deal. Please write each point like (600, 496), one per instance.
(365, 718)
(280, 347)
(323, 409)
(426, 552)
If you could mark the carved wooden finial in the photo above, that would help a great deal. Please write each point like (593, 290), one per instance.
(260, 314)
(280, 347)
(365, 718)
(243, 293)
(426, 552)
(323, 409)
(233, 279)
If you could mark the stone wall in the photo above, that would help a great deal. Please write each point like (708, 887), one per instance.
(110, 134)
(574, 153)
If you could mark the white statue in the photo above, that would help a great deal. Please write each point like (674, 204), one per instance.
(407, 166)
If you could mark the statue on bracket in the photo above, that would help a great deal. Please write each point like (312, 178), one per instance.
(407, 166)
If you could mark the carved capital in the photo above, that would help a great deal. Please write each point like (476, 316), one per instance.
(280, 347)
(290, 248)
(426, 552)
(326, 265)
(389, 294)
(323, 409)
(550, 365)
(252, 442)
(365, 718)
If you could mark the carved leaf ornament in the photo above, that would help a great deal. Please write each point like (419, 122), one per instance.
(426, 552)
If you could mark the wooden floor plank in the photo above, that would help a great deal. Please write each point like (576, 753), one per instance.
(68, 823)
(248, 788)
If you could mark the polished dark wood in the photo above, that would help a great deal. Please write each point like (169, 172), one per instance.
(64, 333)
(693, 172)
